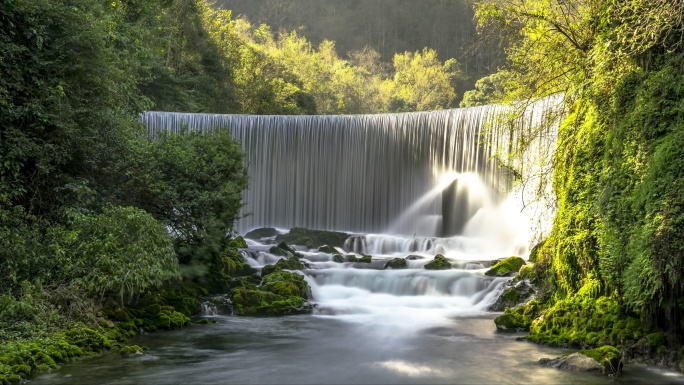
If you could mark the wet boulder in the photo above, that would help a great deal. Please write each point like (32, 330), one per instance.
(506, 267)
(606, 359)
(514, 294)
(264, 232)
(414, 257)
(338, 258)
(396, 263)
(327, 249)
(439, 263)
(281, 293)
(313, 238)
(291, 264)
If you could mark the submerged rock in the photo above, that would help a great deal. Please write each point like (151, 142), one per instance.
(131, 351)
(506, 268)
(396, 263)
(414, 257)
(606, 359)
(439, 263)
(514, 294)
(264, 232)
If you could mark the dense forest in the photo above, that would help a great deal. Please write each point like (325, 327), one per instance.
(98, 222)
(385, 26)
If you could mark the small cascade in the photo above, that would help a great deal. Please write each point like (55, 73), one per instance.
(209, 308)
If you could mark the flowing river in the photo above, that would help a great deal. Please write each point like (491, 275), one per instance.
(433, 178)
(371, 326)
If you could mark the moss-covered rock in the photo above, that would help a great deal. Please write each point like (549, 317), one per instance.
(264, 232)
(396, 263)
(202, 321)
(275, 250)
(514, 294)
(286, 284)
(269, 269)
(338, 258)
(259, 302)
(281, 293)
(291, 264)
(313, 238)
(506, 267)
(607, 356)
(586, 321)
(364, 259)
(519, 318)
(238, 243)
(131, 351)
(439, 263)
(328, 249)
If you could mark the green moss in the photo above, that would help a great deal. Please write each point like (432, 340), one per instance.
(264, 232)
(506, 267)
(269, 269)
(237, 242)
(364, 259)
(439, 263)
(519, 318)
(327, 249)
(290, 264)
(396, 263)
(338, 258)
(286, 284)
(608, 356)
(275, 250)
(132, 350)
(203, 321)
(313, 238)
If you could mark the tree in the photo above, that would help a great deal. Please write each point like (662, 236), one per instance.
(191, 182)
(421, 82)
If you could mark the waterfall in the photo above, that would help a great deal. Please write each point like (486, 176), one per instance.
(387, 173)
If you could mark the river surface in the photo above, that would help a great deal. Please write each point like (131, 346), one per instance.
(371, 326)
(323, 350)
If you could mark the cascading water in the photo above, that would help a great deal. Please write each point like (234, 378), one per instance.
(360, 173)
(416, 184)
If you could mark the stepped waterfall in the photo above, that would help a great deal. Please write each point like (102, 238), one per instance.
(418, 184)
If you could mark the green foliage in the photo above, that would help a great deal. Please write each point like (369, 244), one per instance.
(192, 182)
(488, 90)
(121, 252)
(506, 267)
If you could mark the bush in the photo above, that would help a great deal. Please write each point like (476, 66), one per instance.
(122, 252)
